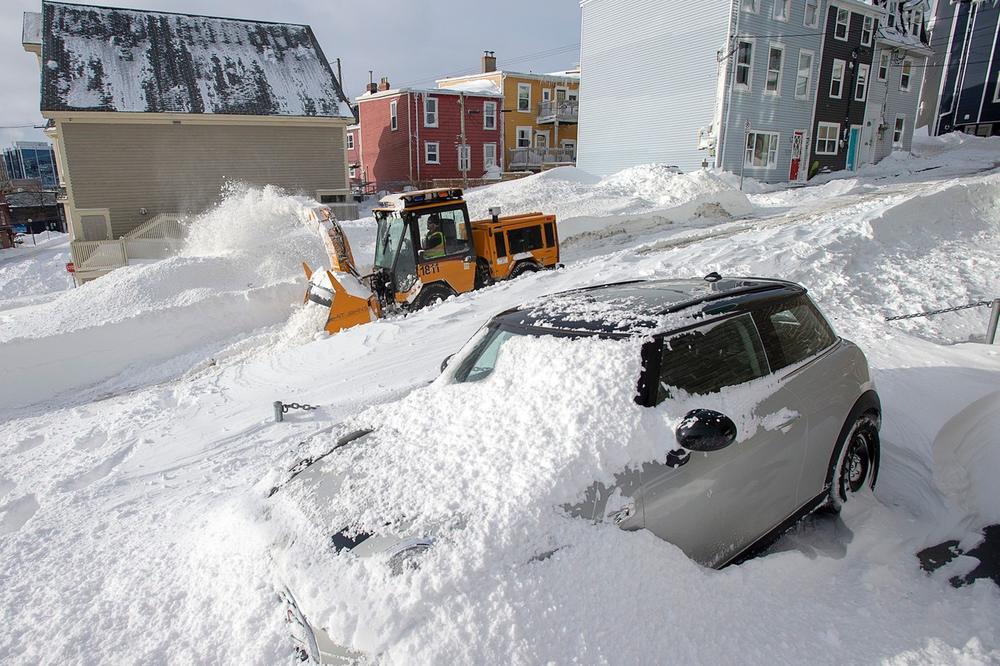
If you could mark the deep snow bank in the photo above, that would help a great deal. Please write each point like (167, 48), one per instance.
(34, 270)
(240, 270)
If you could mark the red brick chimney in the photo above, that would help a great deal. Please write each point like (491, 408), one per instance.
(383, 84)
(489, 62)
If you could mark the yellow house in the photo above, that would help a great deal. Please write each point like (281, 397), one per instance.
(539, 113)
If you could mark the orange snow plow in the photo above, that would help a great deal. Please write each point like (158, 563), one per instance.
(426, 249)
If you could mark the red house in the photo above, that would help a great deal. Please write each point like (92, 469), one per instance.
(352, 135)
(411, 136)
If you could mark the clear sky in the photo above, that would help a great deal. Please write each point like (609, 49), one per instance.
(410, 41)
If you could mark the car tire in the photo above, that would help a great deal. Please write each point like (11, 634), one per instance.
(431, 294)
(857, 462)
(484, 277)
(522, 268)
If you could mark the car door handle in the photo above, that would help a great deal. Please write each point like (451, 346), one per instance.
(678, 458)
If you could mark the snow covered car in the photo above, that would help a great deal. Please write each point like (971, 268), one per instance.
(772, 416)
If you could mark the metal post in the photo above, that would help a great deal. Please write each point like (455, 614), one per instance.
(991, 333)
(279, 411)
(743, 162)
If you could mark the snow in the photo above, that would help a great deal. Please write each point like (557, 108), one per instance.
(33, 271)
(487, 87)
(131, 509)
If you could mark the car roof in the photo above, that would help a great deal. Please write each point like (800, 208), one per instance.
(641, 307)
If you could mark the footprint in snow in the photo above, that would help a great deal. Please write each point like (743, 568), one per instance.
(92, 440)
(16, 513)
(28, 443)
(85, 479)
(6, 485)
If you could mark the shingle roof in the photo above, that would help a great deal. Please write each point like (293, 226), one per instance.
(107, 59)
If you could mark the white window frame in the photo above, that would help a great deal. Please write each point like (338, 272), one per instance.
(898, 143)
(774, 46)
(785, 6)
(350, 140)
(489, 111)
(520, 87)
(430, 100)
(464, 157)
(883, 72)
(772, 150)
(570, 144)
(907, 71)
(996, 90)
(517, 136)
(819, 138)
(916, 18)
(752, 6)
(534, 139)
(489, 149)
(838, 24)
(572, 94)
(749, 65)
(798, 73)
(393, 116)
(862, 79)
(805, 15)
(843, 75)
(867, 28)
(427, 152)
(546, 94)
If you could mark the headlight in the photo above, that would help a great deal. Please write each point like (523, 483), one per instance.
(407, 556)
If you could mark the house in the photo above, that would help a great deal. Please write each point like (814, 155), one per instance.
(352, 137)
(35, 211)
(152, 113)
(413, 136)
(772, 89)
(962, 86)
(31, 160)
(540, 113)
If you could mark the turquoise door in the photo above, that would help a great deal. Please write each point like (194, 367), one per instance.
(852, 148)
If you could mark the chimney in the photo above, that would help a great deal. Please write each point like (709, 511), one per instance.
(372, 87)
(489, 62)
(383, 84)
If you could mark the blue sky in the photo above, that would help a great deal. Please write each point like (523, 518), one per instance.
(411, 42)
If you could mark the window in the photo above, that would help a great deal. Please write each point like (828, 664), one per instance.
(354, 172)
(811, 19)
(827, 138)
(775, 56)
(432, 152)
(524, 137)
(883, 66)
(541, 139)
(443, 233)
(744, 63)
(489, 155)
(570, 145)
(546, 94)
(524, 97)
(904, 75)
(867, 30)
(750, 5)
(918, 19)
(762, 150)
(843, 23)
(393, 121)
(525, 240)
(489, 115)
(430, 112)
(464, 158)
(996, 90)
(803, 80)
(837, 79)
(573, 95)
(781, 10)
(350, 141)
(861, 83)
(708, 359)
(897, 131)
(793, 331)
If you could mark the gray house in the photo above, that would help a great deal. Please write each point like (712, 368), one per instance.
(775, 89)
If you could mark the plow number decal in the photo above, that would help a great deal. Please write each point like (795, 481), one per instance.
(430, 269)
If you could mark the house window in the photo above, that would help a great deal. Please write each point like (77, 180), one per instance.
(918, 19)
(524, 137)
(883, 66)
(489, 155)
(904, 75)
(524, 97)
(781, 10)
(432, 152)
(996, 90)
(570, 145)
(573, 95)
(861, 83)
(811, 19)
(891, 19)
(775, 56)
(843, 22)
(350, 141)
(354, 172)
(489, 115)
(897, 132)
(867, 30)
(803, 81)
(827, 136)
(541, 139)
(837, 79)
(762, 150)
(393, 119)
(750, 5)
(430, 112)
(464, 158)
(546, 94)
(744, 63)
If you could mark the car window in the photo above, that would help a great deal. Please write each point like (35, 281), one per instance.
(705, 360)
(793, 331)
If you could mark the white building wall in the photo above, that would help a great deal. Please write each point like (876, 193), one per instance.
(648, 81)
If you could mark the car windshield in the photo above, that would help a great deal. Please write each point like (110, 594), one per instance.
(390, 229)
(481, 361)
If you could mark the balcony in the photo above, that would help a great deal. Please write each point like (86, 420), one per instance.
(536, 159)
(558, 111)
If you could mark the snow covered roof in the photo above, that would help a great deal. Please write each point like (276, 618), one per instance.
(31, 30)
(477, 86)
(454, 90)
(107, 59)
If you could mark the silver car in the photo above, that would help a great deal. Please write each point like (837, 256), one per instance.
(719, 503)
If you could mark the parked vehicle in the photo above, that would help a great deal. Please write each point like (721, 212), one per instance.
(718, 497)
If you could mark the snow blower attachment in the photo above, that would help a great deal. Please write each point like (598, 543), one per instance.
(426, 250)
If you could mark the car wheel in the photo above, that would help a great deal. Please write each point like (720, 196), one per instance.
(857, 465)
(522, 268)
(484, 277)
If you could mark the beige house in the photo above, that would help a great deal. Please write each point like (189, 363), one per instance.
(153, 113)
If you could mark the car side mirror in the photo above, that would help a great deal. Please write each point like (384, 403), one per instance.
(420, 255)
(705, 430)
(446, 361)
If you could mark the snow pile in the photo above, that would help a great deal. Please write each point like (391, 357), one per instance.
(34, 270)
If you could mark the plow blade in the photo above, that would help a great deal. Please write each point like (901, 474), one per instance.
(348, 301)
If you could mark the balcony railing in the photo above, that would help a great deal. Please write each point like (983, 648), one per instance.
(533, 159)
(563, 111)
